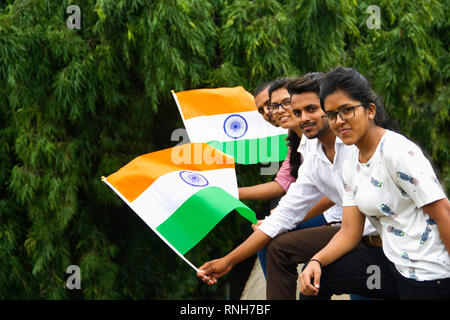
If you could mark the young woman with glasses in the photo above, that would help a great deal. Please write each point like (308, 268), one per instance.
(287, 174)
(393, 184)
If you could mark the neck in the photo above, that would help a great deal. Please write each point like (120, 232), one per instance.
(369, 143)
(328, 139)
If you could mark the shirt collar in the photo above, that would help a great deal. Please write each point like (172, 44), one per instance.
(304, 140)
(314, 146)
(308, 145)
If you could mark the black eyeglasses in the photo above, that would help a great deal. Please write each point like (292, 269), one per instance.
(346, 113)
(276, 106)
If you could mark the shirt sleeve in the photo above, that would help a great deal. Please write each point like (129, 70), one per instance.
(413, 173)
(292, 208)
(283, 176)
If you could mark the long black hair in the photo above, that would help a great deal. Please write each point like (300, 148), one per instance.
(356, 86)
(295, 158)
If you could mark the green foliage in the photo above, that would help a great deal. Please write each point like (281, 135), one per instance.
(78, 104)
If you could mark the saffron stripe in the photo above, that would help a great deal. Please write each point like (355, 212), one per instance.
(136, 176)
(206, 102)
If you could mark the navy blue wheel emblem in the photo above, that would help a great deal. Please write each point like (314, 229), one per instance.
(194, 179)
(235, 126)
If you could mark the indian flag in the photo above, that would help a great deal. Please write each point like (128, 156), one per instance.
(181, 193)
(227, 119)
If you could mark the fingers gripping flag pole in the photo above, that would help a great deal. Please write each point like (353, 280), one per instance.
(180, 194)
(227, 119)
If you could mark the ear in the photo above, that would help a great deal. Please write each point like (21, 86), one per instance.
(372, 111)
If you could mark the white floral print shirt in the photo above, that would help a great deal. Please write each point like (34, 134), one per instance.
(390, 189)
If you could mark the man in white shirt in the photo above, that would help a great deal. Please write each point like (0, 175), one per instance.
(319, 175)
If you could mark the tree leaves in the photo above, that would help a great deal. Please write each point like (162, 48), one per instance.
(78, 104)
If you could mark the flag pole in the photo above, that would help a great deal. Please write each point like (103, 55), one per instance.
(154, 229)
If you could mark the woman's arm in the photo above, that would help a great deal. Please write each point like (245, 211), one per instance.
(345, 240)
(440, 212)
(264, 191)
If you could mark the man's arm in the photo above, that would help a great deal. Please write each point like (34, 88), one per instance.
(301, 196)
(211, 270)
(320, 207)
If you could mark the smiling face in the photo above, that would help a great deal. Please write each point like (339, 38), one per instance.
(359, 120)
(307, 107)
(284, 117)
(262, 101)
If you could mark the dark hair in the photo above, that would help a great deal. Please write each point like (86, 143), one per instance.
(356, 86)
(295, 158)
(310, 82)
(261, 87)
(279, 84)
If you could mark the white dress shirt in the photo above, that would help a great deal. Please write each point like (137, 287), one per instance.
(317, 177)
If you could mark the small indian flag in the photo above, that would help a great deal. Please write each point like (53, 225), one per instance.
(227, 119)
(181, 193)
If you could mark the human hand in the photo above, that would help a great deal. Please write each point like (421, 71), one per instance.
(255, 227)
(313, 272)
(214, 269)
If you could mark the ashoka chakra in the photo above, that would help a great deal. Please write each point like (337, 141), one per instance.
(235, 126)
(194, 179)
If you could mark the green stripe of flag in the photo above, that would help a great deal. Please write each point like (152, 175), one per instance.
(251, 151)
(198, 215)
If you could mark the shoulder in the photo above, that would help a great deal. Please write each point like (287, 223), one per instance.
(394, 147)
(398, 142)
